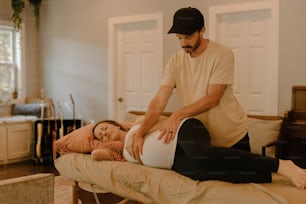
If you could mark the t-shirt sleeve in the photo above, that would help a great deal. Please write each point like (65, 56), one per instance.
(168, 77)
(223, 72)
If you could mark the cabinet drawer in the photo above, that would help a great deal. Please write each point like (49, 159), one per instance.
(3, 144)
(296, 131)
(20, 140)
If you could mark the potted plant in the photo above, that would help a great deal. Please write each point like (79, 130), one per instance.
(15, 93)
(36, 5)
(17, 6)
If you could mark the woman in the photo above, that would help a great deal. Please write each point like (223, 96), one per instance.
(190, 154)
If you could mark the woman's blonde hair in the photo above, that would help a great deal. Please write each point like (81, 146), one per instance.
(115, 123)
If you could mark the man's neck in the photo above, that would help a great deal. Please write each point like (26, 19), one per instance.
(201, 48)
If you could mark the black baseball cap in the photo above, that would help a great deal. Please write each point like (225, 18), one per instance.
(186, 21)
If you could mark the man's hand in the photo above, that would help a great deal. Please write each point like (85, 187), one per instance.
(128, 145)
(135, 147)
(138, 147)
(169, 128)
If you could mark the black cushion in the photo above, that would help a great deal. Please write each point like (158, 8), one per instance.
(27, 109)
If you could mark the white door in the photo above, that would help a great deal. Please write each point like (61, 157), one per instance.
(136, 63)
(251, 31)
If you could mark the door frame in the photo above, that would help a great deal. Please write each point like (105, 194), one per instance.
(273, 7)
(112, 24)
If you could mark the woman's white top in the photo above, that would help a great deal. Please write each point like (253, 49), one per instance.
(156, 153)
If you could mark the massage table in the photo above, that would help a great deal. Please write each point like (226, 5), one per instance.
(133, 183)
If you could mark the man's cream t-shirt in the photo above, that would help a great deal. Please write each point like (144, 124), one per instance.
(226, 122)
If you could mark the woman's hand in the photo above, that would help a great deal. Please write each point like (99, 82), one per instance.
(169, 128)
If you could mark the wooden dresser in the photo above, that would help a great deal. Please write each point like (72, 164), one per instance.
(292, 143)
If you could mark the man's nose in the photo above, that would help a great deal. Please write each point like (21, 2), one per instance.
(183, 43)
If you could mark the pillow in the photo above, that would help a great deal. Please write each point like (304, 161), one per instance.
(263, 132)
(82, 140)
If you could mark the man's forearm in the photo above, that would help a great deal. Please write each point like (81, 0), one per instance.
(203, 104)
(155, 109)
(151, 117)
(193, 109)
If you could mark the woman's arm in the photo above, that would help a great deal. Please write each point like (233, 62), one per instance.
(107, 154)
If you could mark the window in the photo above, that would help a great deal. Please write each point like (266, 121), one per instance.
(10, 62)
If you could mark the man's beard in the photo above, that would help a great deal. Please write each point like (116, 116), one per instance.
(191, 49)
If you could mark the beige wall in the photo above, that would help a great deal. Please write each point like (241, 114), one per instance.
(73, 47)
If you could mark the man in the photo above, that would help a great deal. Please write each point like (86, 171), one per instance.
(202, 74)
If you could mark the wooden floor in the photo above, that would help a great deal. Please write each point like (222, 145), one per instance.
(25, 168)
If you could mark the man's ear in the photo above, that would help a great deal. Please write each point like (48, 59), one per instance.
(202, 31)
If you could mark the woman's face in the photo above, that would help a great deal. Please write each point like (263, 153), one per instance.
(106, 132)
